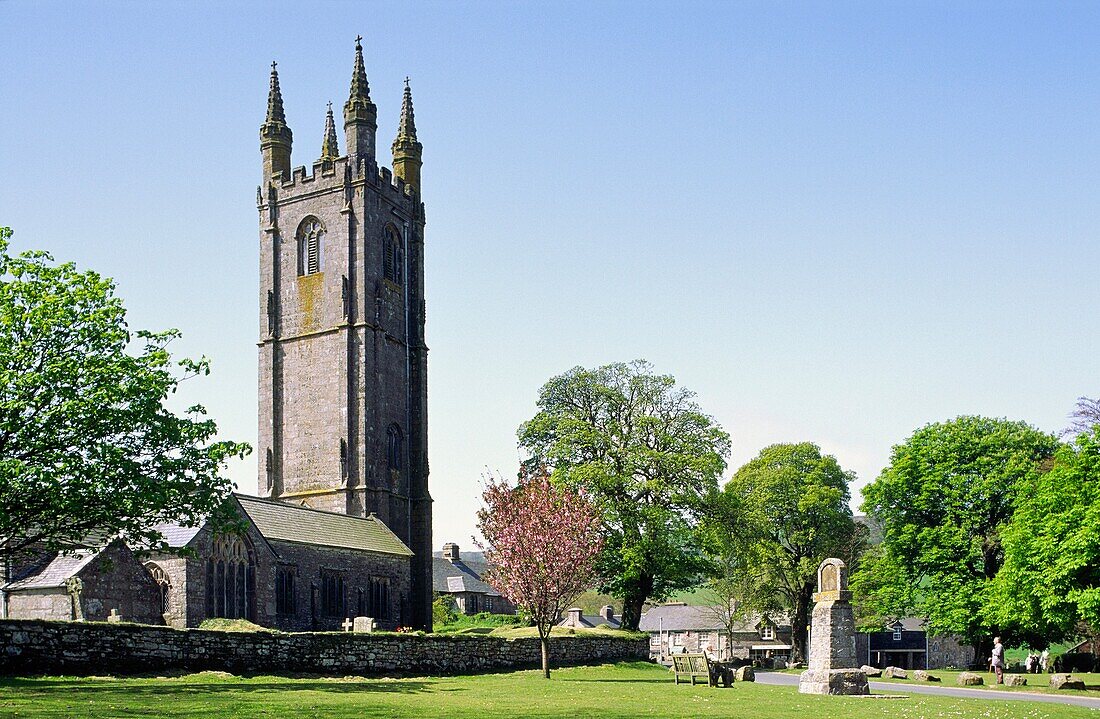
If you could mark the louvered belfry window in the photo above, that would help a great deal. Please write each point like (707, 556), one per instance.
(310, 234)
(393, 257)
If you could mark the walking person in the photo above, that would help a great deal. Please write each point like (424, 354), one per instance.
(998, 660)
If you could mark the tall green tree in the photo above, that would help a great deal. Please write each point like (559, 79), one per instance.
(943, 502)
(649, 458)
(1050, 581)
(87, 445)
(792, 504)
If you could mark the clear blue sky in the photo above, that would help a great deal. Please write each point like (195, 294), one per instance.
(835, 222)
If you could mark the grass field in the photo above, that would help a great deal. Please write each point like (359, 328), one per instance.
(614, 691)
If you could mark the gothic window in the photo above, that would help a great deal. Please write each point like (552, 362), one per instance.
(286, 600)
(332, 594)
(380, 598)
(310, 234)
(231, 579)
(394, 447)
(393, 257)
(164, 585)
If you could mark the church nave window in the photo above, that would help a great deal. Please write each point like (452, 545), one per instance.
(332, 594)
(380, 598)
(310, 234)
(230, 579)
(164, 585)
(285, 599)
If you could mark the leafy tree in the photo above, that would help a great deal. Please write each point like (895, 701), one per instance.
(648, 457)
(881, 591)
(541, 543)
(943, 502)
(793, 507)
(87, 446)
(1050, 580)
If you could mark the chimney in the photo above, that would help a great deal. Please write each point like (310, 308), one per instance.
(575, 617)
(607, 612)
(450, 551)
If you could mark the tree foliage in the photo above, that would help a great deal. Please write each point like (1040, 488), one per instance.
(648, 457)
(87, 446)
(943, 501)
(541, 543)
(1050, 580)
(791, 509)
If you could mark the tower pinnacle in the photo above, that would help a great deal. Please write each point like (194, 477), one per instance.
(360, 114)
(330, 148)
(407, 151)
(275, 136)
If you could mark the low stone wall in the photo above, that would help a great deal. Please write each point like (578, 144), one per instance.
(41, 647)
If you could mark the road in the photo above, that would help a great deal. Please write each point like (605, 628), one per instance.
(960, 692)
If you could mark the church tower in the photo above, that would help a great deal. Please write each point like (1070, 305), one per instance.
(343, 364)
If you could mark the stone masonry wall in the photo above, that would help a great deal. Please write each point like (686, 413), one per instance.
(40, 647)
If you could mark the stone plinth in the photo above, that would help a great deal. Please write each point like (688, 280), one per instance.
(832, 662)
(833, 636)
(833, 681)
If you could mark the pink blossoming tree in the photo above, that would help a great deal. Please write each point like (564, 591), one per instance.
(541, 542)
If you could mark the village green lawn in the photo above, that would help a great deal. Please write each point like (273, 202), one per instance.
(616, 691)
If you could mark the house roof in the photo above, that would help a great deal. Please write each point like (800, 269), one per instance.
(55, 573)
(683, 617)
(293, 523)
(457, 576)
(590, 620)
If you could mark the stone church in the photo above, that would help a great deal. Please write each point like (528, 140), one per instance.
(342, 526)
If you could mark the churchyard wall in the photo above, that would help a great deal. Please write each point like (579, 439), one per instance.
(41, 647)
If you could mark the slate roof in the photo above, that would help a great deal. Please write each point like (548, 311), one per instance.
(683, 618)
(294, 523)
(177, 536)
(453, 577)
(56, 572)
(591, 620)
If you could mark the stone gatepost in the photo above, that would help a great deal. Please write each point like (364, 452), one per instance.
(832, 665)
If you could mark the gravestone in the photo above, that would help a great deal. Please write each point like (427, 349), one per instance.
(114, 617)
(347, 624)
(832, 663)
(364, 625)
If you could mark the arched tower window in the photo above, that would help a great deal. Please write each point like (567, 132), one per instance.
(164, 584)
(393, 257)
(231, 578)
(394, 447)
(310, 234)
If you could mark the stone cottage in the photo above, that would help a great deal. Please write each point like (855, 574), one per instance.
(680, 628)
(460, 579)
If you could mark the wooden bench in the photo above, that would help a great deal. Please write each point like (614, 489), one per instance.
(693, 665)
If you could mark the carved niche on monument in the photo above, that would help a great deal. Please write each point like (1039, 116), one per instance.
(832, 661)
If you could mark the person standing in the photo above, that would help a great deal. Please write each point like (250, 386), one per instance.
(1044, 661)
(998, 660)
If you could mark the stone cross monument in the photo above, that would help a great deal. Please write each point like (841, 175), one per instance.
(832, 665)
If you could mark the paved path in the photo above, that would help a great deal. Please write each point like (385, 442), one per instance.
(899, 688)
